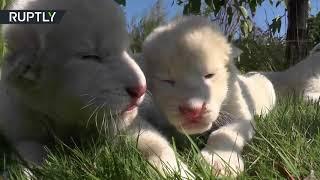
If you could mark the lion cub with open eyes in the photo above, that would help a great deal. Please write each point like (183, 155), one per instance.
(194, 82)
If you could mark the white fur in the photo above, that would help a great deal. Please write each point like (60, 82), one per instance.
(50, 87)
(301, 79)
(186, 50)
(158, 151)
(315, 49)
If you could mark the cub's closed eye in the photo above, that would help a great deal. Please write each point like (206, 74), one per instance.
(91, 57)
(171, 82)
(208, 76)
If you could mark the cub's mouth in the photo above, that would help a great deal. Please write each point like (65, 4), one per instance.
(133, 105)
(223, 119)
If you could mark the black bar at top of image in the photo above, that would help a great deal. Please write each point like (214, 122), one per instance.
(38, 19)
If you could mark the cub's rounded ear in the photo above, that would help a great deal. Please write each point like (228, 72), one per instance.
(21, 65)
(315, 49)
(22, 69)
(18, 37)
(236, 52)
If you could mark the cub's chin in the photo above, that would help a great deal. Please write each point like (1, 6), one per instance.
(128, 116)
(194, 128)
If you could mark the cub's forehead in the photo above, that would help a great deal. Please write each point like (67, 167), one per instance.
(91, 26)
(190, 41)
(85, 22)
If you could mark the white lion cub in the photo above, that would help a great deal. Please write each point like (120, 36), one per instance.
(56, 77)
(302, 78)
(194, 82)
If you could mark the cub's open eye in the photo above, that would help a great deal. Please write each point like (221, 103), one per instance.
(171, 82)
(209, 76)
(91, 57)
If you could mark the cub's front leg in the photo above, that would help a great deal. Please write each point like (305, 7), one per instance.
(157, 150)
(224, 147)
(31, 151)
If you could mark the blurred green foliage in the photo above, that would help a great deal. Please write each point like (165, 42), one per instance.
(140, 29)
(314, 29)
(261, 52)
(243, 9)
(3, 5)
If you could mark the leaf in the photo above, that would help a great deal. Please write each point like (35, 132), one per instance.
(271, 2)
(243, 11)
(253, 6)
(278, 3)
(212, 6)
(193, 7)
(217, 6)
(250, 25)
(276, 25)
(186, 9)
(230, 14)
(121, 2)
(209, 2)
(179, 2)
(244, 28)
(3, 5)
(259, 2)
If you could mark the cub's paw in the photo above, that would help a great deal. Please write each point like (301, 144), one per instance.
(312, 97)
(28, 174)
(227, 163)
(168, 164)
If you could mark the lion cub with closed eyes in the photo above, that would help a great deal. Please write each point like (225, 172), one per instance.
(194, 82)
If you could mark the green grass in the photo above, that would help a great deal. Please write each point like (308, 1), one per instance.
(287, 142)
(286, 145)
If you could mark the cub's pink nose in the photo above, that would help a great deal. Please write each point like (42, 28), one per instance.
(192, 113)
(136, 92)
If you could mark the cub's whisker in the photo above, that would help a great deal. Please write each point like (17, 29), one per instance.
(92, 114)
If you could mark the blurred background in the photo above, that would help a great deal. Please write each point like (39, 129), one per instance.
(273, 34)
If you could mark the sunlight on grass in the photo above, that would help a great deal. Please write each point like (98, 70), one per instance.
(287, 142)
(286, 145)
